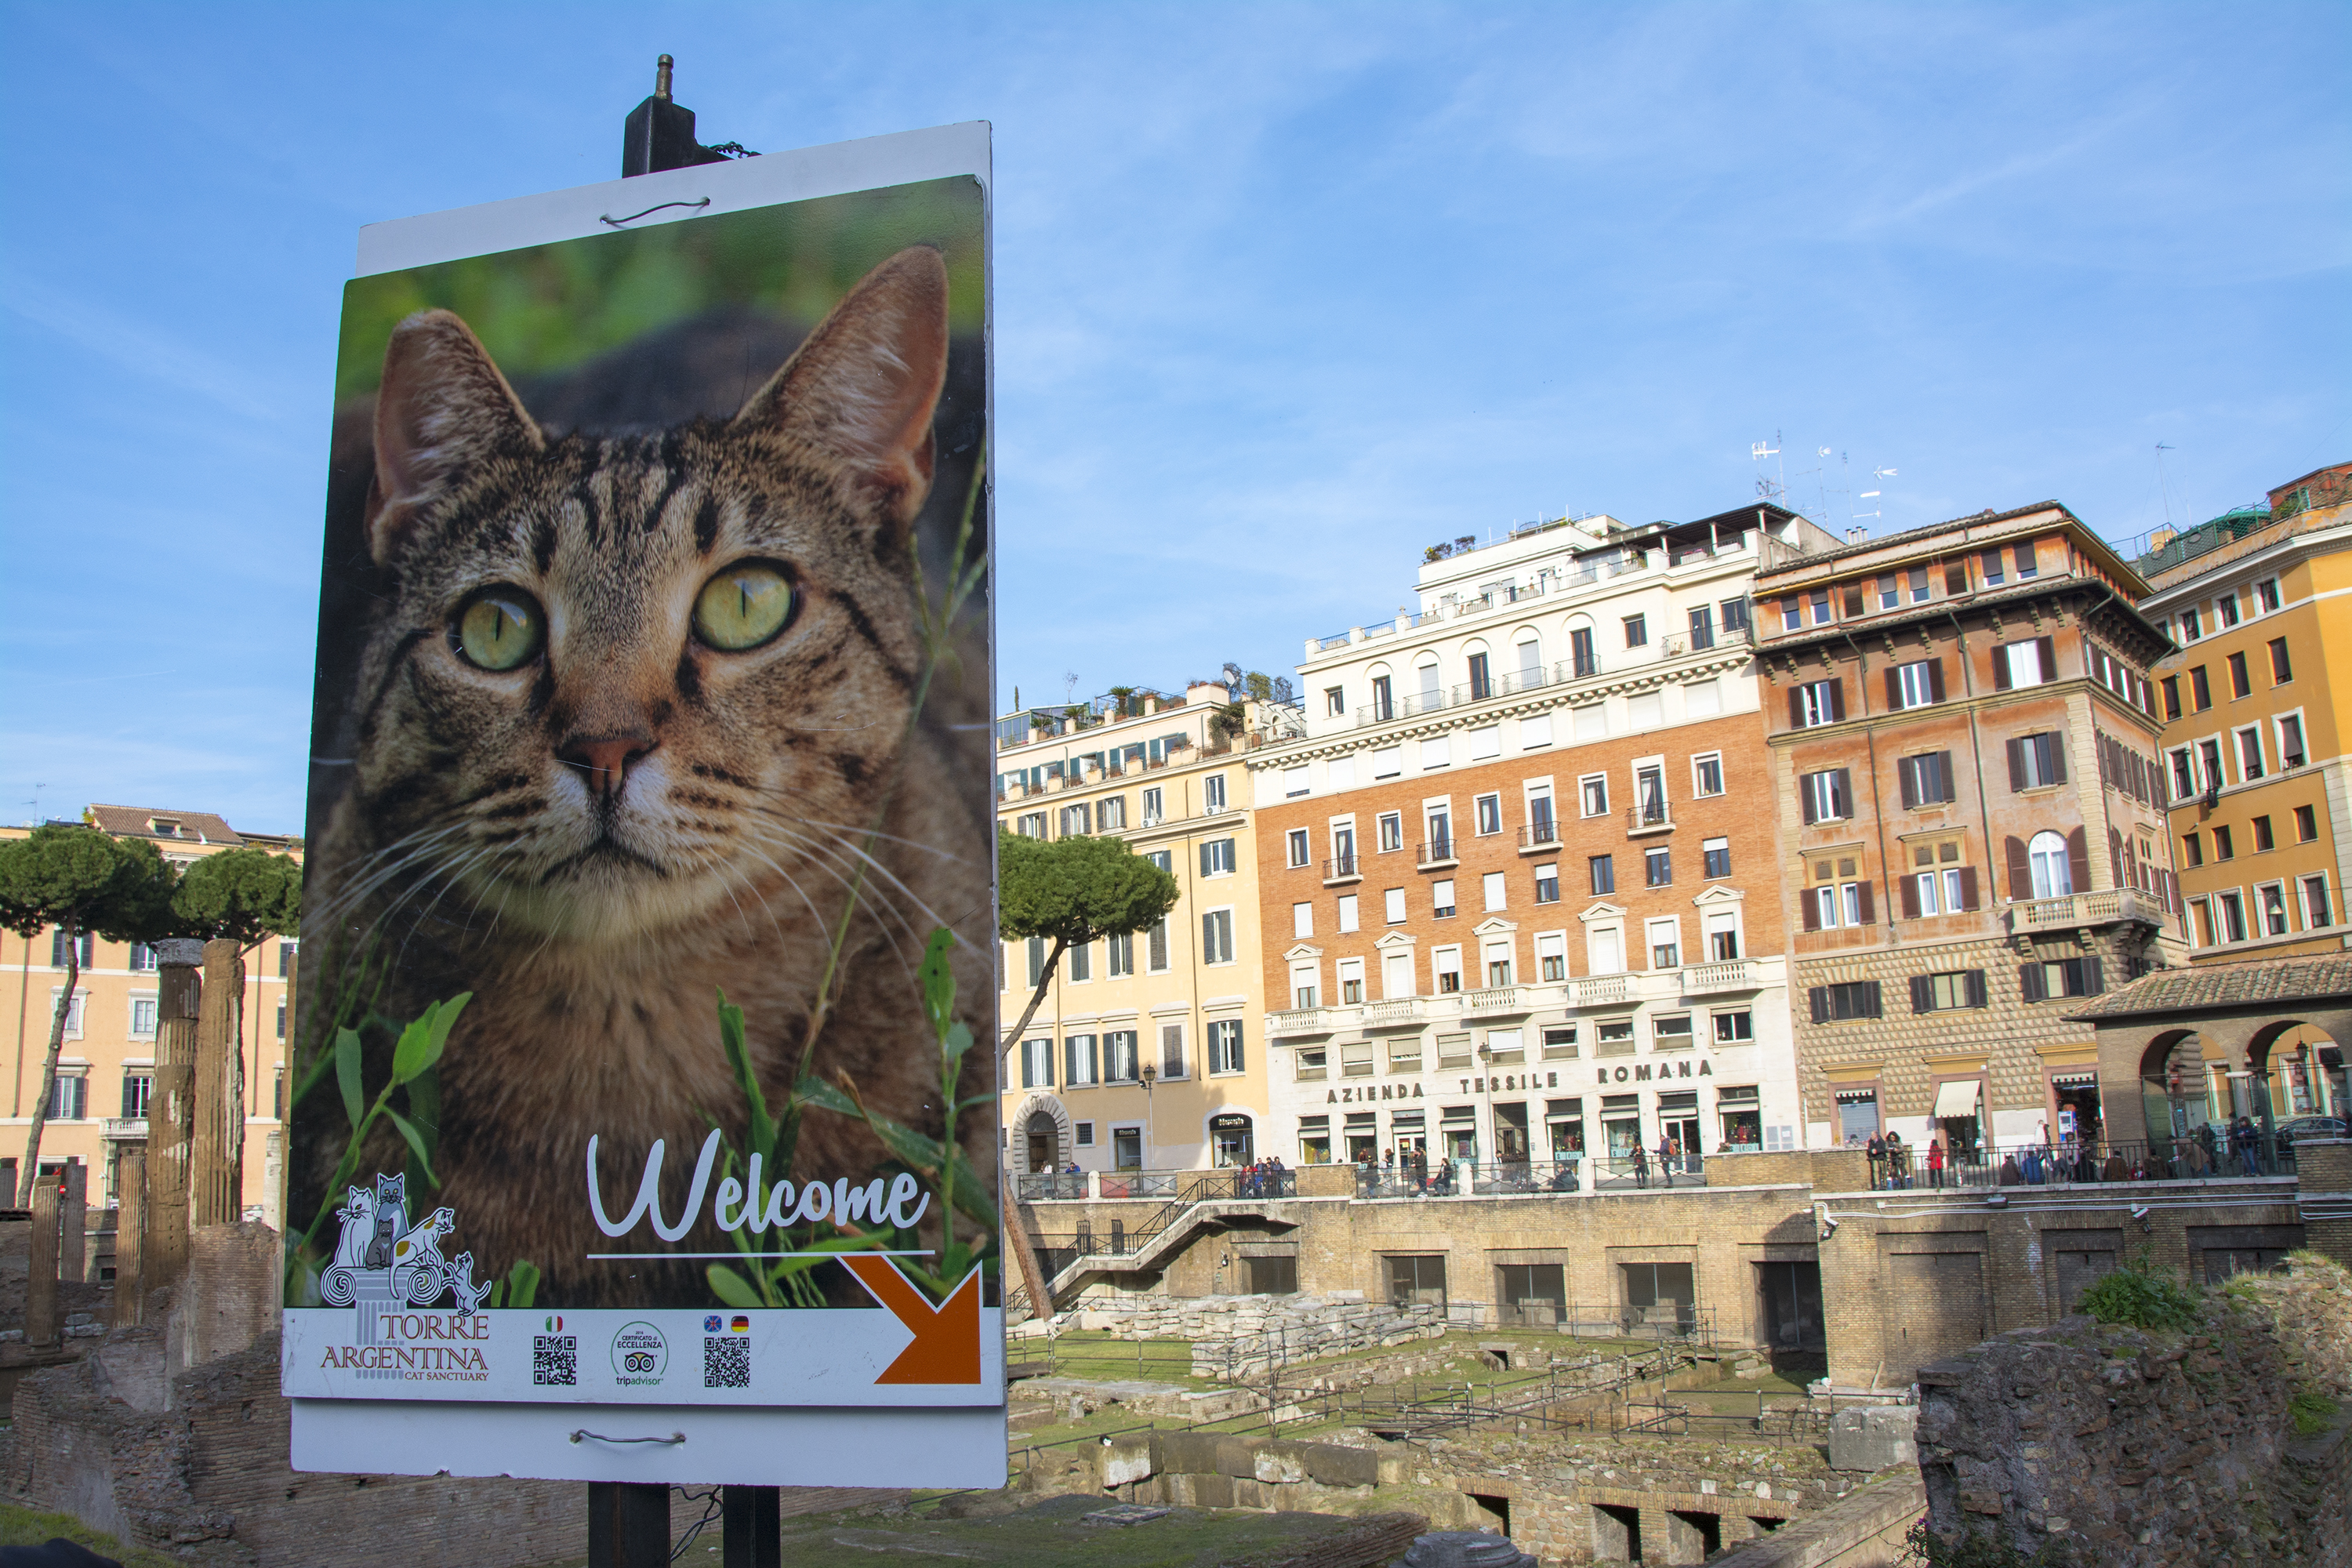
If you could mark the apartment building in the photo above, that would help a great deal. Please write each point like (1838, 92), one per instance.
(99, 1106)
(1507, 869)
(2252, 732)
(1972, 799)
(1146, 1053)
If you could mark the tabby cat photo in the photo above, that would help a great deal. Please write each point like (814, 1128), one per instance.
(631, 714)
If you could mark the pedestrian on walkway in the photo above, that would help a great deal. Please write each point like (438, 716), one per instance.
(1935, 1160)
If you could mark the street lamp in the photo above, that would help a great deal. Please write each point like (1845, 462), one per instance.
(1149, 1074)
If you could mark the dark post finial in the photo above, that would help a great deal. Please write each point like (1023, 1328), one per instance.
(661, 77)
(659, 133)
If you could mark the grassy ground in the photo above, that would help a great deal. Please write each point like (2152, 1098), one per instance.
(22, 1527)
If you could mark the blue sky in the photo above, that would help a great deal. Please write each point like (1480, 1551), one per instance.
(1286, 293)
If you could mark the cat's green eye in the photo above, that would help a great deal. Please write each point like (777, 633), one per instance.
(744, 606)
(500, 628)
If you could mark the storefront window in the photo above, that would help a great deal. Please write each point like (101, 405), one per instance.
(1857, 1110)
(1741, 1118)
(1230, 1141)
(1314, 1139)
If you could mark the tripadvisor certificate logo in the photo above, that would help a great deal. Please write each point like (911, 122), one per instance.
(640, 1354)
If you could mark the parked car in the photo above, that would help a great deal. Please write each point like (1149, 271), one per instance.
(2304, 1127)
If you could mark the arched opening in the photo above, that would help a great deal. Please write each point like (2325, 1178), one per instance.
(2293, 1087)
(2053, 875)
(2184, 1092)
(1043, 1143)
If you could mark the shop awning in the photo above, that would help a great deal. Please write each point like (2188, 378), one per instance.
(1957, 1100)
(2088, 1080)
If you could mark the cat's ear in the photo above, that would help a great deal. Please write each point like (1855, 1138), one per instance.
(443, 408)
(863, 386)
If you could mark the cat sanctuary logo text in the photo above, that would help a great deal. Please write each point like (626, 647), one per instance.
(383, 1265)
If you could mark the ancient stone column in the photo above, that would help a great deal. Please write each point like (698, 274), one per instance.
(217, 1148)
(130, 1238)
(41, 1281)
(73, 1222)
(172, 1110)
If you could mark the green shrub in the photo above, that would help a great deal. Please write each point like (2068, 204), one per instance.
(2312, 1413)
(2139, 1295)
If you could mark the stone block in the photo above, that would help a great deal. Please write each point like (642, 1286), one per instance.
(1185, 1453)
(1874, 1439)
(1281, 1464)
(1125, 1459)
(1334, 1466)
(1235, 1457)
(1212, 1491)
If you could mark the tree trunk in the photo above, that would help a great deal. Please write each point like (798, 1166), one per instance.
(1016, 1222)
(31, 1169)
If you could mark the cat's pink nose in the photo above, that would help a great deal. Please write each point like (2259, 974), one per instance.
(603, 761)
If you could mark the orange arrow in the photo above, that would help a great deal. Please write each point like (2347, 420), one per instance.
(947, 1340)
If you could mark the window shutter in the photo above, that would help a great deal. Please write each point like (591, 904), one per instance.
(2001, 667)
(1837, 700)
(2029, 982)
(1893, 689)
(2107, 773)
(1862, 895)
(1910, 886)
(2020, 869)
(1945, 787)
(2054, 749)
(1922, 994)
(1936, 681)
(1874, 1003)
(1205, 852)
(1808, 904)
(1819, 998)
(1797, 709)
(2016, 765)
(1852, 601)
(2095, 982)
(2078, 860)
(1808, 792)
(2116, 858)
(1976, 987)
(1967, 886)
(1842, 791)
(1906, 775)
(2047, 649)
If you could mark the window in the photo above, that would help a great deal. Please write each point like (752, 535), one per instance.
(2052, 867)
(2223, 847)
(1217, 937)
(1706, 773)
(1294, 843)
(2190, 628)
(1716, 857)
(142, 959)
(1122, 1063)
(1347, 912)
(2306, 823)
(1592, 794)
(1492, 890)
(2242, 684)
(70, 1100)
(1383, 705)
(1120, 951)
(1637, 631)
(2272, 898)
(1737, 1028)
(1445, 963)
(1604, 950)
(2250, 752)
(1391, 831)
(1551, 958)
(1722, 936)
(1083, 1134)
(58, 948)
(2029, 663)
(1110, 813)
(1925, 780)
(1671, 1034)
(1393, 902)
(2209, 753)
(1994, 567)
(1853, 999)
(2289, 736)
(1579, 651)
(1498, 963)
(2200, 690)
(1665, 944)
(1335, 702)
(2023, 557)
(2172, 697)
(1441, 898)
(1890, 591)
(1225, 1046)
(1172, 1050)
(1351, 981)
(1942, 993)
(2233, 917)
(2037, 761)
(1036, 1064)
(1154, 811)
(1127, 1147)
(1156, 947)
(2047, 981)
(1827, 795)
(1481, 684)
(1077, 819)
(1212, 793)
(1816, 702)
(1919, 584)
(137, 1087)
(1036, 961)
(1217, 858)
(1650, 790)
(1936, 882)
(2225, 609)
(1604, 873)
(1614, 1037)
(1531, 668)
(1437, 830)
(1489, 808)
(1917, 684)
(1658, 869)
(1702, 628)
(1836, 896)
(2193, 849)
(1081, 967)
(1735, 616)
(2314, 901)
(1792, 614)
(2266, 595)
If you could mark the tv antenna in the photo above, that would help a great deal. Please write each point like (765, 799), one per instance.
(1881, 476)
(2163, 490)
(1774, 490)
(36, 803)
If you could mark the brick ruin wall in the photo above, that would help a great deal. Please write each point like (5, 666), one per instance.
(2135, 1448)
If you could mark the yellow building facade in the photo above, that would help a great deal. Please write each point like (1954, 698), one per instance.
(1148, 1052)
(99, 1106)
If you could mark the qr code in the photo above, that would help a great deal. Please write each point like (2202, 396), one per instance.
(726, 1363)
(556, 1360)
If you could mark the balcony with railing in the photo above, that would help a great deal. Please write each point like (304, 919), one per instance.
(1733, 974)
(124, 1129)
(1435, 854)
(1539, 838)
(1649, 817)
(1392, 1011)
(1494, 1000)
(1298, 1021)
(1340, 869)
(2074, 912)
(1603, 991)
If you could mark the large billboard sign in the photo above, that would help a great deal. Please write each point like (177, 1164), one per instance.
(643, 1120)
